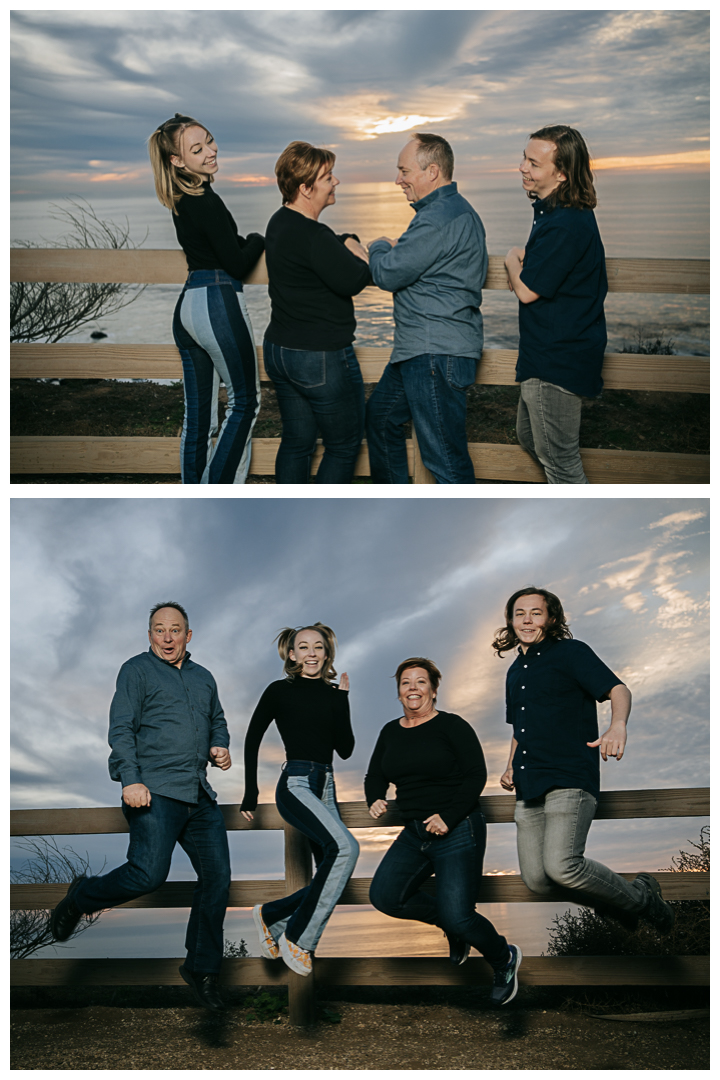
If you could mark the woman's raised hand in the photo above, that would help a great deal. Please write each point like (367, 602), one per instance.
(378, 808)
(344, 681)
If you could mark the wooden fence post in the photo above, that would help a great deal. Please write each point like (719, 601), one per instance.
(421, 475)
(298, 873)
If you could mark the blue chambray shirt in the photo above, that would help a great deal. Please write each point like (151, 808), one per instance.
(163, 721)
(436, 272)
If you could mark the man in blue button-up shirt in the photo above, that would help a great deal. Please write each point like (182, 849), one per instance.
(166, 724)
(435, 271)
(560, 279)
(554, 767)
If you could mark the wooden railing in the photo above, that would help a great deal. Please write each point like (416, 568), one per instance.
(30, 454)
(366, 971)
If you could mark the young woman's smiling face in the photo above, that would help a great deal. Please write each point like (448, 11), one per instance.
(309, 650)
(198, 152)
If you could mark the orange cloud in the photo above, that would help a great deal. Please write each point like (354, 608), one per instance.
(657, 161)
(249, 178)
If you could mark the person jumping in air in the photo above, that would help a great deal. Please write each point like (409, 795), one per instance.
(554, 764)
(313, 717)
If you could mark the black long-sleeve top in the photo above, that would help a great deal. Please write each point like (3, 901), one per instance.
(313, 278)
(438, 767)
(208, 235)
(313, 718)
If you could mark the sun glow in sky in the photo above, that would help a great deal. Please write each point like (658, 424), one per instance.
(92, 86)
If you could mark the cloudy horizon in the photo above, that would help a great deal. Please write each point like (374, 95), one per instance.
(88, 87)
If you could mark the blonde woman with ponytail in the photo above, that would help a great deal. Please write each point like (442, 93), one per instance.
(312, 714)
(211, 325)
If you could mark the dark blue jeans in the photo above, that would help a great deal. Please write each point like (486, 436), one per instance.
(154, 831)
(456, 859)
(319, 394)
(212, 330)
(305, 797)
(431, 391)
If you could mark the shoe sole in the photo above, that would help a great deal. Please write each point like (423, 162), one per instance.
(464, 957)
(515, 979)
(290, 960)
(264, 949)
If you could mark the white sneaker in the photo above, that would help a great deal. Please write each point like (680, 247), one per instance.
(297, 959)
(268, 945)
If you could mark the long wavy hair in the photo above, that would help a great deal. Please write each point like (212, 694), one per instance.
(506, 638)
(286, 645)
(572, 157)
(171, 183)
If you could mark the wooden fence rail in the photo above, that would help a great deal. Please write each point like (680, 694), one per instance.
(630, 371)
(536, 970)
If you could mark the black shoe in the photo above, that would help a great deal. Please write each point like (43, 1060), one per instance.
(657, 911)
(65, 917)
(505, 983)
(204, 986)
(459, 949)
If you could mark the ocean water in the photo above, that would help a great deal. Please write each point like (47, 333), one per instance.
(660, 214)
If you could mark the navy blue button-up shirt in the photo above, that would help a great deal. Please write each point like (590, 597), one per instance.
(562, 333)
(551, 696)
(163, 721)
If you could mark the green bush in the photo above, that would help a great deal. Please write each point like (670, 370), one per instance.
(588, 934)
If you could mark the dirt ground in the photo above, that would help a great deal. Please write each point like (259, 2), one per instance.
(620, 420)
(420, 1028)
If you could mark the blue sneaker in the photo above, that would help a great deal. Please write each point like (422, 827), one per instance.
(505, 983)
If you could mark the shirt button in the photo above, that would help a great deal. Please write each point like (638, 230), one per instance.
(522, 708)
(522, 729)
(524, 665)
(522, 766)
(522, 687)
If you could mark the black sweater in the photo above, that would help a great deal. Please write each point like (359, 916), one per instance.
(313, 718)
(208, 235)
(437, 767)
(312, 279)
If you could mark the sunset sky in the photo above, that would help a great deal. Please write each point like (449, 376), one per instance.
(88, 87)
(394, 578)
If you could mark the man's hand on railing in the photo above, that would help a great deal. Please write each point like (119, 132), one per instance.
(378, 808)
(136, 795)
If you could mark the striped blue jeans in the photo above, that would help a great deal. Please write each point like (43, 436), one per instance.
(212, 330)
(305, 797)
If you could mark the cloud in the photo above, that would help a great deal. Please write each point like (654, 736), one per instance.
(91, 84)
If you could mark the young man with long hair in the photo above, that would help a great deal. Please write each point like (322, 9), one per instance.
(554, 764)
(559, 277)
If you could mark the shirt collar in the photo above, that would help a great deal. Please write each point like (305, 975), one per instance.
(543, 206)
(539, 648)
(167, 663)
(439, 193)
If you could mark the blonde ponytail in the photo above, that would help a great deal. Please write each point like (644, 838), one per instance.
(171, 182)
